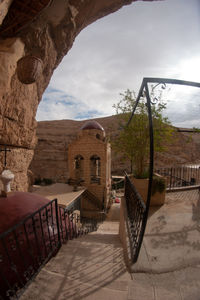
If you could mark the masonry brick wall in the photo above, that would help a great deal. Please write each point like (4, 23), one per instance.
(89, 143)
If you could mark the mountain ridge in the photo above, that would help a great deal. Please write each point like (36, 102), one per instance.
(50, 157)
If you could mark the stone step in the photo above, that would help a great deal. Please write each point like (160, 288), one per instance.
(109, 227)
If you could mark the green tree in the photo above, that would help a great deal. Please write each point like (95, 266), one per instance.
(133, 140)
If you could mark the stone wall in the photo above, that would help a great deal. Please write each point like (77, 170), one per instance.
(87, 145)
(51, 153)
(17, 118)
(4, 7)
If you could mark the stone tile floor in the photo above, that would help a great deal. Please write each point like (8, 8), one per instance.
(92, 267)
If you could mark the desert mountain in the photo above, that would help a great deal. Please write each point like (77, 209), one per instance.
(51, 154)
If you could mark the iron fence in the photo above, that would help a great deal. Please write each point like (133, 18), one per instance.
(26, 247)
(72, 225)
(136, 210)
(180, 176)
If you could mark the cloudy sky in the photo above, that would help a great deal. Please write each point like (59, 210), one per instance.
(144, 39)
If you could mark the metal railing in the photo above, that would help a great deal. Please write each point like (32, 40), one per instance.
(138, 217)
(27, 246)
(72, 225)
(136, 210)
(180, 176)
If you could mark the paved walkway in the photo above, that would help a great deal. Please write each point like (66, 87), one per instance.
(92, 267)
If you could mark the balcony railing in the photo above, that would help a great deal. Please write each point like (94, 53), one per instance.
(27, 246)
(180, 176)
(136, 209)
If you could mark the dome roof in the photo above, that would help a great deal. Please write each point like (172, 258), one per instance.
(92, 125)
(17, 206)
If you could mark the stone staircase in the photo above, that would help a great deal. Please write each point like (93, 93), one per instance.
(92, 267)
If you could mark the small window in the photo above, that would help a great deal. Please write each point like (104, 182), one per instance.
(78, 166)
(95, 169)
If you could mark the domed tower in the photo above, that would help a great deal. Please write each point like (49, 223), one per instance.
(90, 161)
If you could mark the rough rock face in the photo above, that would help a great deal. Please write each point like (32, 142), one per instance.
(4, 7)
(51, 154)
(17, 113)
(49, 36)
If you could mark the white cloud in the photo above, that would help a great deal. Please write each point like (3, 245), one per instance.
(145, 39)
(183, 105)
(57, 105)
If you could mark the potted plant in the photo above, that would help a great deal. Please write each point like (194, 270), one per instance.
(157, 192)
(134, 142)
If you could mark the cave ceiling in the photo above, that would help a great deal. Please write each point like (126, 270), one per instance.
(22, 13)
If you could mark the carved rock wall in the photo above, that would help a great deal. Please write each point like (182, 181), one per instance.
(17, 113)
(4, 7)
(49, 36)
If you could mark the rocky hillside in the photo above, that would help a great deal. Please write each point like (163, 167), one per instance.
(50, 158)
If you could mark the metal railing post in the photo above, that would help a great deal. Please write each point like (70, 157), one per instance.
(57, 223)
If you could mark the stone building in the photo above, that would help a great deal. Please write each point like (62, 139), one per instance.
(89, 158)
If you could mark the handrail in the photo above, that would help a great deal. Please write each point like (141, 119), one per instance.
(136, 211)
(138, 196)
(144, 92)
(28, 245)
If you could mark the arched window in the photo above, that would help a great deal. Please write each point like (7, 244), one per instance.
(95, 169)
(78, 166)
